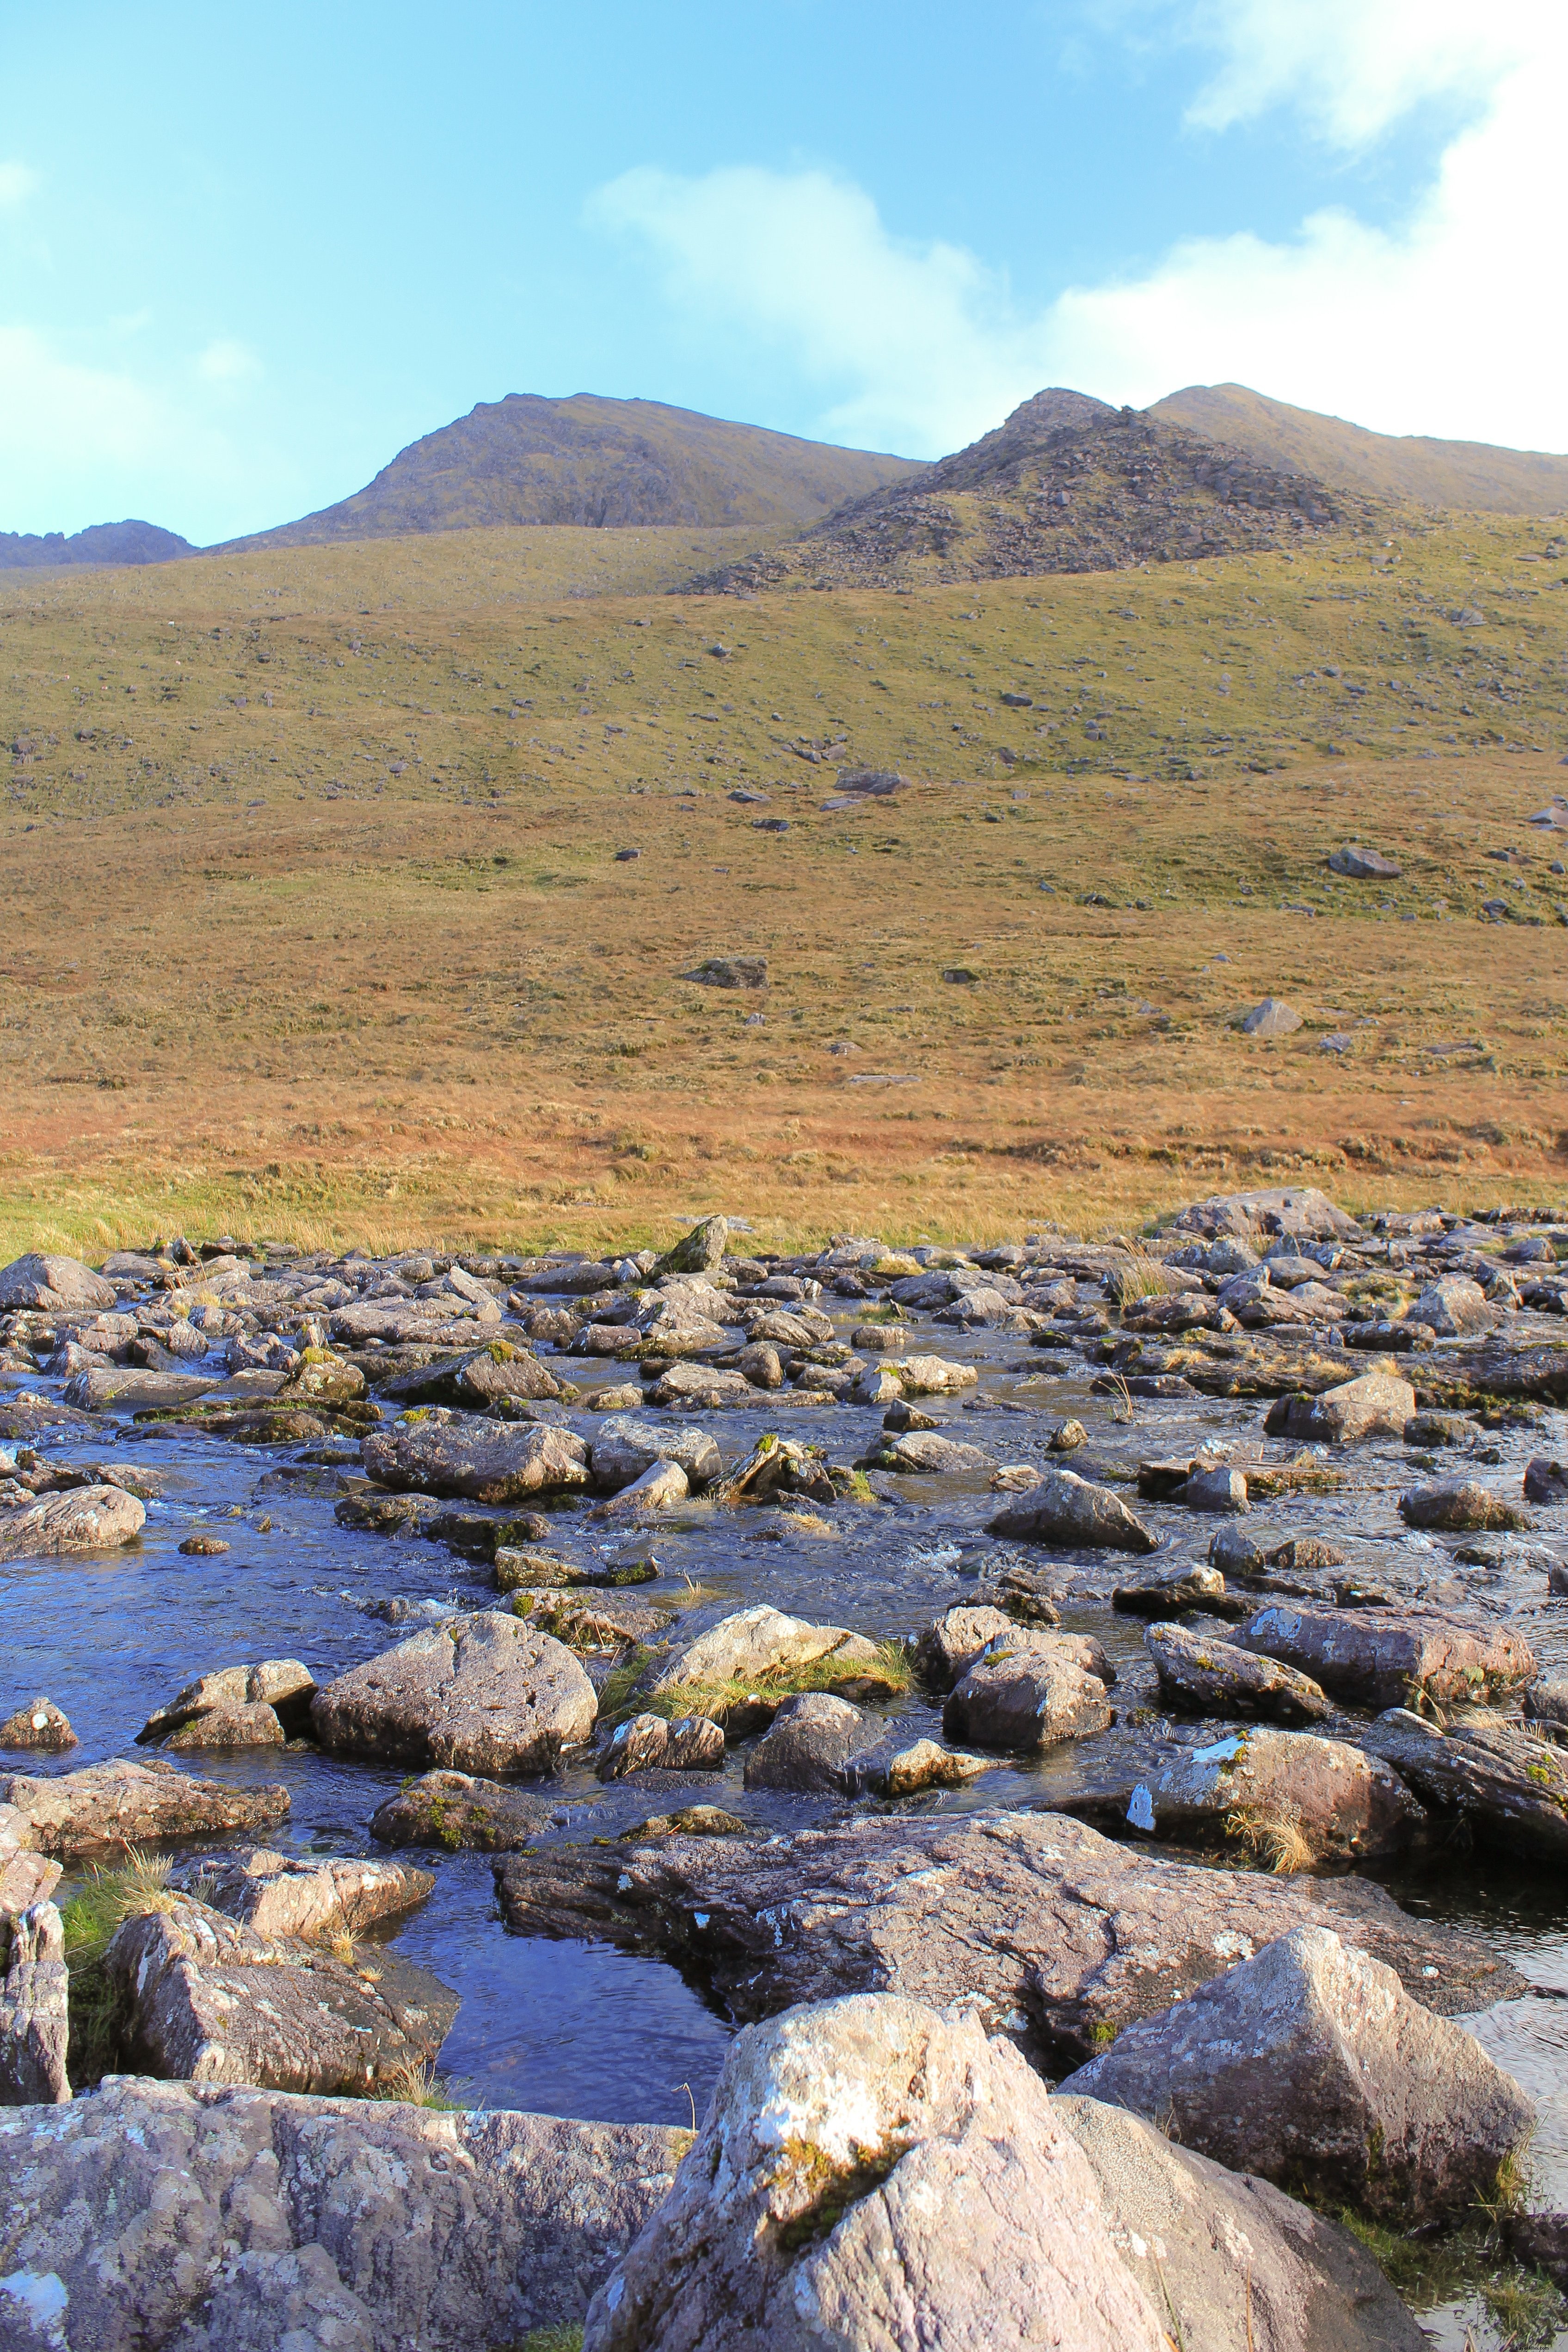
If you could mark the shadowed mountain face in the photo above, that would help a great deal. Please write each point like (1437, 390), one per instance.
(1065, 485)
(101, 542)
(1410, 467)
(585, 460)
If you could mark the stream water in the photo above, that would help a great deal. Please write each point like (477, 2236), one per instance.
(581, 2029)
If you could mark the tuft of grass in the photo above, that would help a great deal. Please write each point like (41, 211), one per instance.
(105, 1898)
(550, 2339)
(1137, 1273)
(1273, 1840)
(418, 2083)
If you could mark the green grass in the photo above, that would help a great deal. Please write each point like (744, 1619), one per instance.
(892, 1672)
(103, 1900)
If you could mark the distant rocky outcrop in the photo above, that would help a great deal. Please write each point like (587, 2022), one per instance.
(100, 542)
(1065, 485)
(594, 462)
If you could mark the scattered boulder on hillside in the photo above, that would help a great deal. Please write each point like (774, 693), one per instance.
(1272, 1018)
(1362, 865)
(1309, 2065)
(731, 972)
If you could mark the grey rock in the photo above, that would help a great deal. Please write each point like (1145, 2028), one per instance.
(121, 1805)
(1384, 1658)
(1299, 1211)
(1362, 865)
(923, 1454)
(1545, 1481)
(1058, 1937)
(624, 1449)
(1310, 2066)
(237, 1724)
(1512, 1782)
(650, 1742)
(488, 1462)
(658, 1488)
(1272, 1018)
(949, 1647)
(1207, 1677)
(702, 1249)
(702, 1388)
(40, 1726)
(1194, 1588)
(283, 1685)
(752, 1644)
(482, 1694)
(1070, 1511)
(1219, 1489)
(52, 1285)
(482, 1380)
(284, 1895)
(1453, 1305)
(35, 2013)
(118, 2217)
(458, 1812)
(809, 1744)
(1292, 1796)
(82, 1519)
(1024, 1691)
(1377, 1405)
(131, 1388)
(902, 1768)
(1546, 1703)
(1459, 1506)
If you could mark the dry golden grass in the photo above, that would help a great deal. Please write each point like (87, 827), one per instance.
(318, 931)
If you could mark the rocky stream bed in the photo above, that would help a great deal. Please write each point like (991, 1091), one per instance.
(446, 1694)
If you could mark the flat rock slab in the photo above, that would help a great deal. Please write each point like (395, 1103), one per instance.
(284, 1895)
(119, 2214)
(204, 1997)
(81, 1519)
(1388, 1657)
(133, 1388)
(463, 1454)
(481, 1694)
(121, 1804)
(1060, 1936)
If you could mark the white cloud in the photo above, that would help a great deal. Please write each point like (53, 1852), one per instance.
(17, 181)
(226, 361)
(1453, 324)
(50, 407)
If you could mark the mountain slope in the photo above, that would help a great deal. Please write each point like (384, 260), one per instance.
(100, 542)
(1412, 467)
(525, 459)
(1065, 485)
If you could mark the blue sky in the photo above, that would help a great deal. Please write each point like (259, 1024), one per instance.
(245, 256)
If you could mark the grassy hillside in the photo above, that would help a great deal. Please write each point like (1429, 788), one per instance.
(595, 464)
(319, 925)
(1410, 468)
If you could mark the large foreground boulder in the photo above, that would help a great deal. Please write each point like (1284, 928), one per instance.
(1310, 2065)
(158, 2215)
(82, 1519)
(481, 1694)
(1056, 1935)
(441, 1453)
(204, 1997)
(1392, 1657)
(872, 2175)
(119, 1804)
(1066, 1509)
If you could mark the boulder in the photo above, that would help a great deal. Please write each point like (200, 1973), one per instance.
(1310, 2065)
(282, 1686)
(480, 1380)
(1292, 1796)
(1070, 1511)
(481, 1694)
(284, 1895)
(1026, 1691)
(1299, 1213)
(948, 1647)
(81, 1519)
(1196, 1588)
(52, 1286)
(40, 1726)
(779, 1465)
(1056, 1935)
(1204, 1677)
(1389, 1657)
(809, 1745)
(238, 1724)
(121, 1804)
(625, 1448)
(1453, 1305)
(1378, 1404)
(360, 2225)
(27, 1876)
(1510, 1781)
(760, 1643)
(1546, 1703)
(760, 1365)
(1459, 1506)
(1218, 1488)
(923, 1454)
(934, 1376)
(647, 1743)
(895, 1767)
(460, 1813)
(1545, 1481)
(702, 1249)
(1272, 1018)
(872, 2173)
(133, 1388)
(202, 1998)
(660, 1488)
(704, 1387)
(1362, 865)
(439, 1453)
(34, 2012)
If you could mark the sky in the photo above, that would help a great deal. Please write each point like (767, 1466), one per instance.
(247, 255)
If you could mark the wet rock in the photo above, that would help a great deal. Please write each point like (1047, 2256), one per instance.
(40, 1726)
(1233, 1552)
(1378, 1404)
(1429, 1431)
(132, 1389)
(660, 1488)
(1026, 1691)
(702, 1249)
(1545, 1481)
(1310, 2065)
(626, 1398)
(1458, 1505)
(519, 1568)
(484, 1380)
(762, 1643)
(282, 1686)
(589, 1621)
(1205, 1677)
(284, 1895)
(1512, 1784)
(901, 1417)
(1066, 1437)
(1385, 1658)
(871, 2174)
(704, 1387)
(1219, 1489)
(489, 1462)
(82, 1519)
(458, 1811)
(52, 1286)
(894, 1768)
(1070, 1511)
(780, 1465)
(234, 1725)
(625, 1449)
(1272, 1018)
(1305, 1555)
(1194, 1588)
(203, 1998)
(648, 1743)
(924, 1454)
(121, 1804)
(482, 1693)
(1546, 1703)
(1056, 1935)
(34, 2012)
(1452, 1305)
(1292, 1796)
(760, 1364)
(878, 1384)
(809, 1744)
(1026, 1595)
(948, 1647)
(934, 1376)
